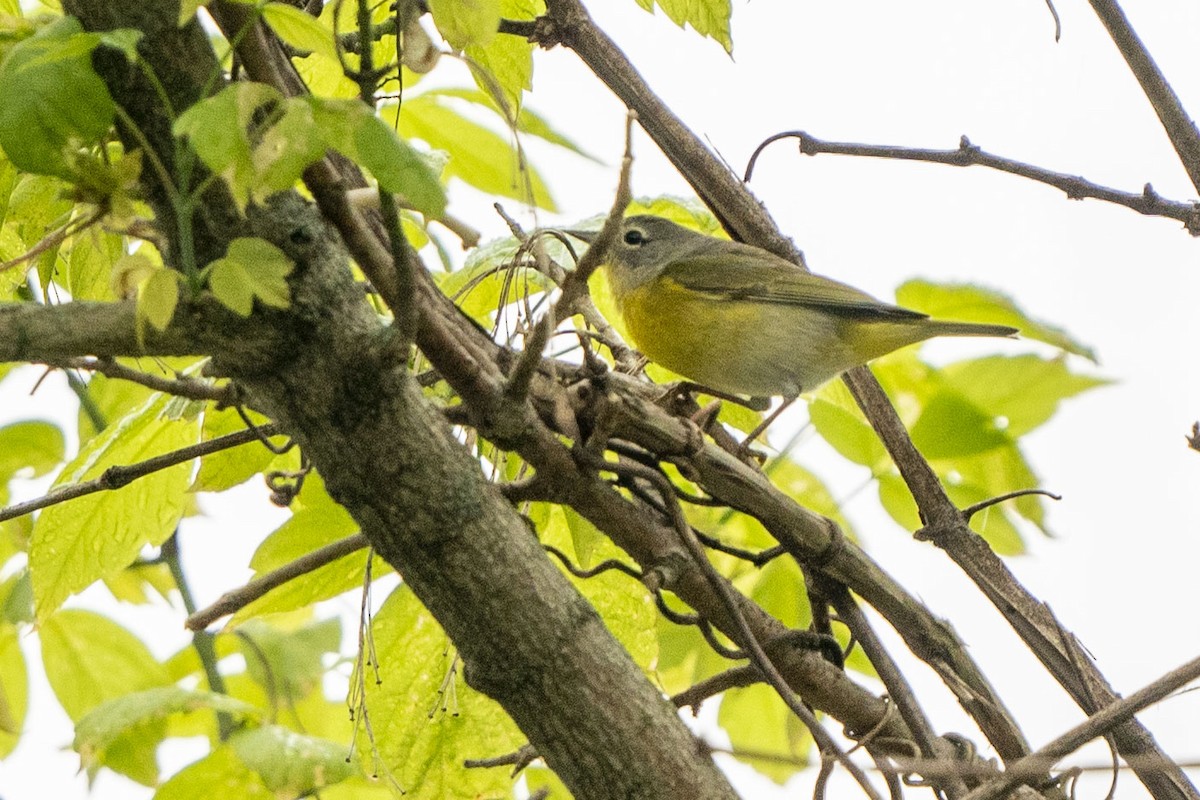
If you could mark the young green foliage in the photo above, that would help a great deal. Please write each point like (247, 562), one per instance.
(69, 553)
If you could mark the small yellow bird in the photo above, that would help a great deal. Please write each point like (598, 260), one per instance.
(741, 320)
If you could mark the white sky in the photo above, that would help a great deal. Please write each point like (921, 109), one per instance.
(1121, 572)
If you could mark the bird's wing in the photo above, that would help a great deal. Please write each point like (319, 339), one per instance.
(747, 273)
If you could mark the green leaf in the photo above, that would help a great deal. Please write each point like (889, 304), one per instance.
(425, 755)
(30, 448)
(90, 264)
(527, 121)
(113, 399)
(977, 304)
(398, 167)
(317, 523)
(503, 66)
(484, 283)
(466, 22)
(288, 664)
(757, 721)
(236, 465)
(356, 132)
(250, 136)
(808, 490)
(624, 604)
(299, 29)
(707, 17)
(53, 100)
(216, 126)
(898, 501)
(14, 688)
(289, 763)
(89, 659)
(157, 299)
(219, 774)
(478, 156)
(124, 733)
(80, 541)
(286, 148)
(847, 432)
(950, 426)
(1024, 391)
(252, 268)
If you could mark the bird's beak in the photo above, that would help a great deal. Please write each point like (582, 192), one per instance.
(587, 236)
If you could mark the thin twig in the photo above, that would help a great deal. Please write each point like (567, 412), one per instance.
(734, 678)
(121, 475)
(180, 385)
(899, 690)
(237, 599)
(729, 599)
(1098, 724)
(967, 154)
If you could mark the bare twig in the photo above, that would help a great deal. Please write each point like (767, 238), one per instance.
(1175, 120)
(1032, 620)
(1098, 724)
(967, 154)
(898, 688)
(734, 678)
(180, 385)
(729, 598)
(121, 475)
(238, 599)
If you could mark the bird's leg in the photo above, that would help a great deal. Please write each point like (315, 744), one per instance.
(744, 450)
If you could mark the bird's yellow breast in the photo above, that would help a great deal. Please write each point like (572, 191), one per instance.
(710, 340)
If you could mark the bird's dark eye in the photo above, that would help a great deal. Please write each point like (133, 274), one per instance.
(634, 237)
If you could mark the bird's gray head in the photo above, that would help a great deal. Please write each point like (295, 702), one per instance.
(646, 241)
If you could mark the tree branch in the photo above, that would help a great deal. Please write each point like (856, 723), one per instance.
(180, 386)
(1175, 120)
(967, 154)
(1102, 722)
(237, 599)
(738, 210)
(122, 475)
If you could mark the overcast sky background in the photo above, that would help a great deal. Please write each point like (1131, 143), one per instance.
(1121, 572)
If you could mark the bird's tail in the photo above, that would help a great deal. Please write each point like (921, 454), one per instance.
(945, 328)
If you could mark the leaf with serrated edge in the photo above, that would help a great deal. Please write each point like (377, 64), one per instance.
(219, 774)
(80, 541)
(53, 98)
(111, 725)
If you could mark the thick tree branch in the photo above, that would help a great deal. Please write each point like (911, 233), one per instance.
(475, 367)
(341, 388)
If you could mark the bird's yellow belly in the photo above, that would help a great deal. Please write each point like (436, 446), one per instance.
(735, 346)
